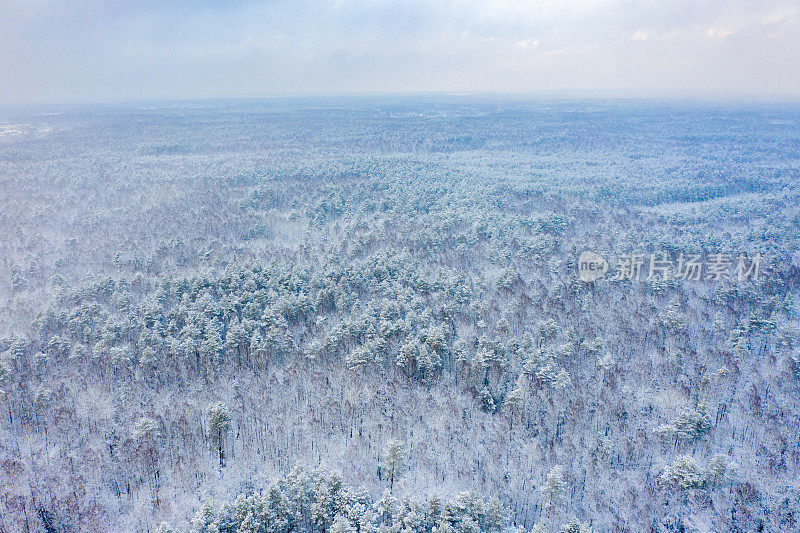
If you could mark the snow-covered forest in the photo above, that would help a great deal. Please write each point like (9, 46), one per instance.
(365, 314)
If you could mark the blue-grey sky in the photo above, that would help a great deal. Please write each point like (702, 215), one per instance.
(112, 50)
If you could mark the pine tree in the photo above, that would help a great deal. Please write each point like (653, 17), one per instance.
(555, 486)
(342, 525)
(203, 521)
(683, 473)
(495, 515)
(718, 468)
(219, 421)
(164, 527)
(394, 461)
(384, 508)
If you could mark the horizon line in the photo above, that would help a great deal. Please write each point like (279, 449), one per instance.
(731, 97)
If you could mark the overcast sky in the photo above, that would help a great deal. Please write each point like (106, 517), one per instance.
(82, 50)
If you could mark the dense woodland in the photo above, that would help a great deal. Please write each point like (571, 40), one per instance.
(365, 315)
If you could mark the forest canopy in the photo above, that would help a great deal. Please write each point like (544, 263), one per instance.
(301, 315)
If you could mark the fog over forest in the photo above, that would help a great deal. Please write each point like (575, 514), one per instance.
(368, 314)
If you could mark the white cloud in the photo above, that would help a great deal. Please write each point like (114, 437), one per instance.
(719, 33)
(62, 50)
